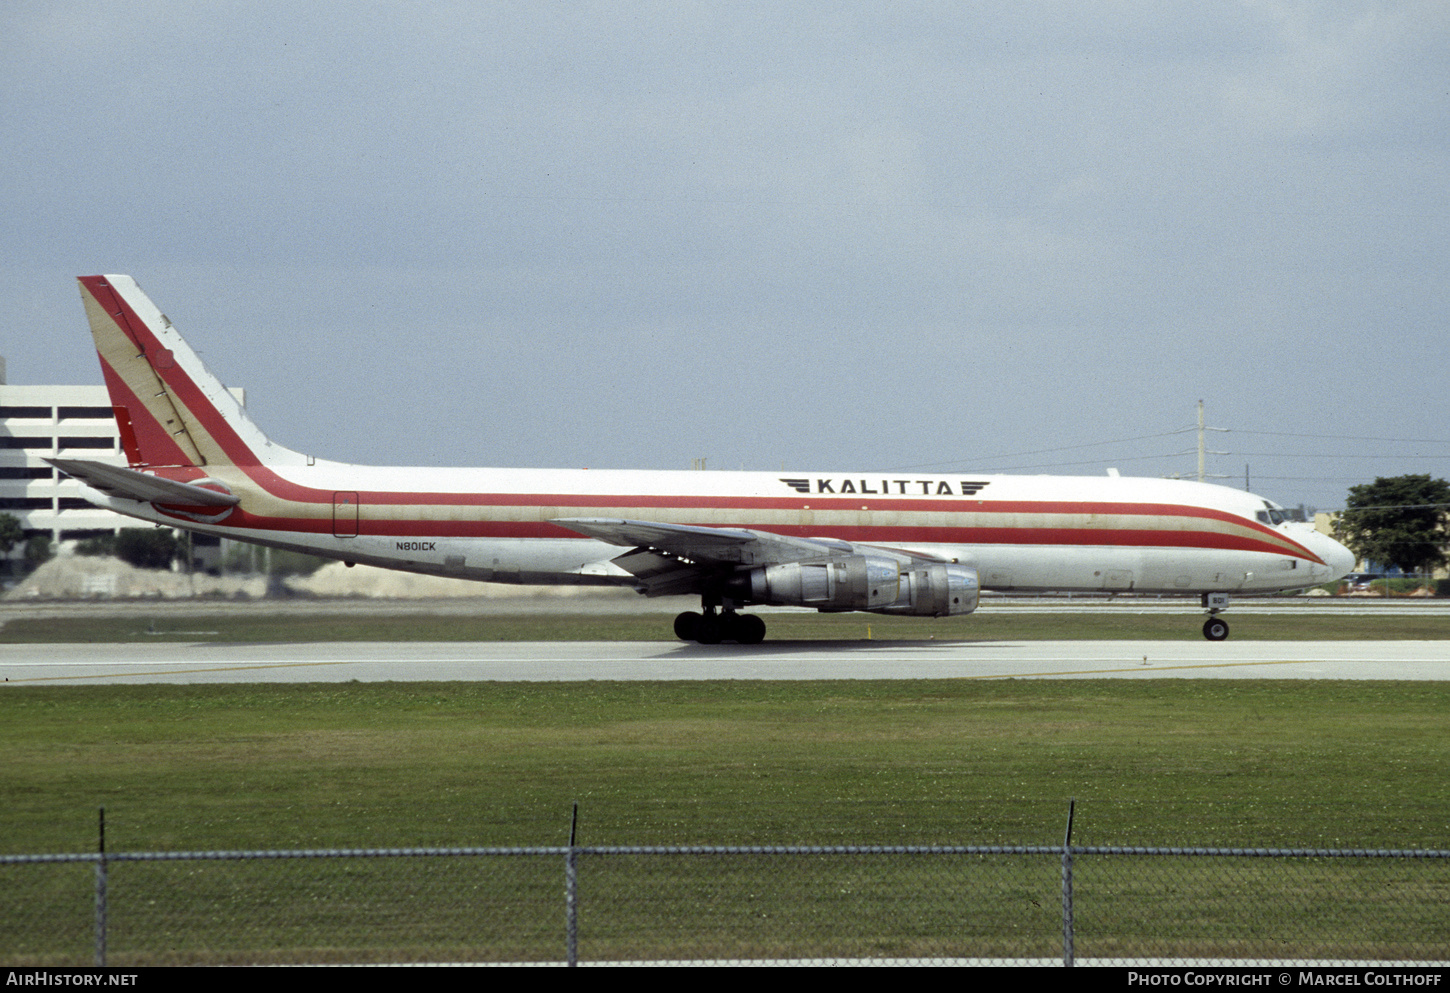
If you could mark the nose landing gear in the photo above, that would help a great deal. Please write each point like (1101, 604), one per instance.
(1215, 628)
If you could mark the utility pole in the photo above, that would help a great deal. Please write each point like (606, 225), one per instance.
(1201, 451)
(1200, 441)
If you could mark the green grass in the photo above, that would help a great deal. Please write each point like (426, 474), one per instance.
(261, 626)
(1161, 762)
(309, 765)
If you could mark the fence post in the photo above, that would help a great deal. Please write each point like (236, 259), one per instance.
(101, 894)
(571, 894)
(1067, 949)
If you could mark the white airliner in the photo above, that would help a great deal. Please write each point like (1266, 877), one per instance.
(889, 542)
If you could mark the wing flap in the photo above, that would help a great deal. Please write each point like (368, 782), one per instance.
(659, 574)
(648, 534)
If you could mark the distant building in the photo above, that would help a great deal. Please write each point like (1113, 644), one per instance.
(40, 422)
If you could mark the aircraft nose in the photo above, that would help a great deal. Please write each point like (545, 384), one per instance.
(1340, 559)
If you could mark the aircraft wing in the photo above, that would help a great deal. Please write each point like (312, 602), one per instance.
(132, 485)
(646, 533)
(677, 558)
(736, 546)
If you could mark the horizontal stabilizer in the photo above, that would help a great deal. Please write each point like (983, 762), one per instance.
(132, 485)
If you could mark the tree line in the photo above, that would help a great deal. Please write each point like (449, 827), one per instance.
(1401, 521)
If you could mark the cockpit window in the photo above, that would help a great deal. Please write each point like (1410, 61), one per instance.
(1274, 514)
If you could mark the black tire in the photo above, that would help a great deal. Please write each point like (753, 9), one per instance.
(711, 631)
(687, 626)
(749, 630)
(1215, 629)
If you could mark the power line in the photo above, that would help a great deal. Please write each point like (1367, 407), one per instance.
(1345, 437)
(1062, 465)
(1046, 451)
(980, 464)
(1338, 455)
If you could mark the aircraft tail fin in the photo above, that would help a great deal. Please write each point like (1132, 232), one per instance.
(171, 410)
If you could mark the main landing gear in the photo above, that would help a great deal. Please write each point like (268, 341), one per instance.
(713, 627)
(1215, 628)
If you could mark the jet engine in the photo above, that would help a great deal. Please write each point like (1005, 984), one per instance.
(860, 582)
(936, 589)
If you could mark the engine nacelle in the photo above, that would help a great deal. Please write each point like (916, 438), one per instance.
(861, 582)
(936, 589)
(853, 582)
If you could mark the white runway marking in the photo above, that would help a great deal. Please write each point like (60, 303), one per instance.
(30, 665)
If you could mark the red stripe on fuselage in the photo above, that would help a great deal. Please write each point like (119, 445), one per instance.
(885, 534)
(1049, 534)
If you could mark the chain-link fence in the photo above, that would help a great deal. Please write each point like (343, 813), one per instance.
(918, 904)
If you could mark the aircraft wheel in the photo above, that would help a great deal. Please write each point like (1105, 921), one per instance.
(687, 626)
(711, 631)
(1215, 629)
(749, 630)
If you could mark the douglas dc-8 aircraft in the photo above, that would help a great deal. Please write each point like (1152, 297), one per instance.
(892, 542)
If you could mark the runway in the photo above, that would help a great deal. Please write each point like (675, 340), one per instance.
(77, 665)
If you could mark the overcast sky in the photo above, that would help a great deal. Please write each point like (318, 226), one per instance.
(954, 236)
